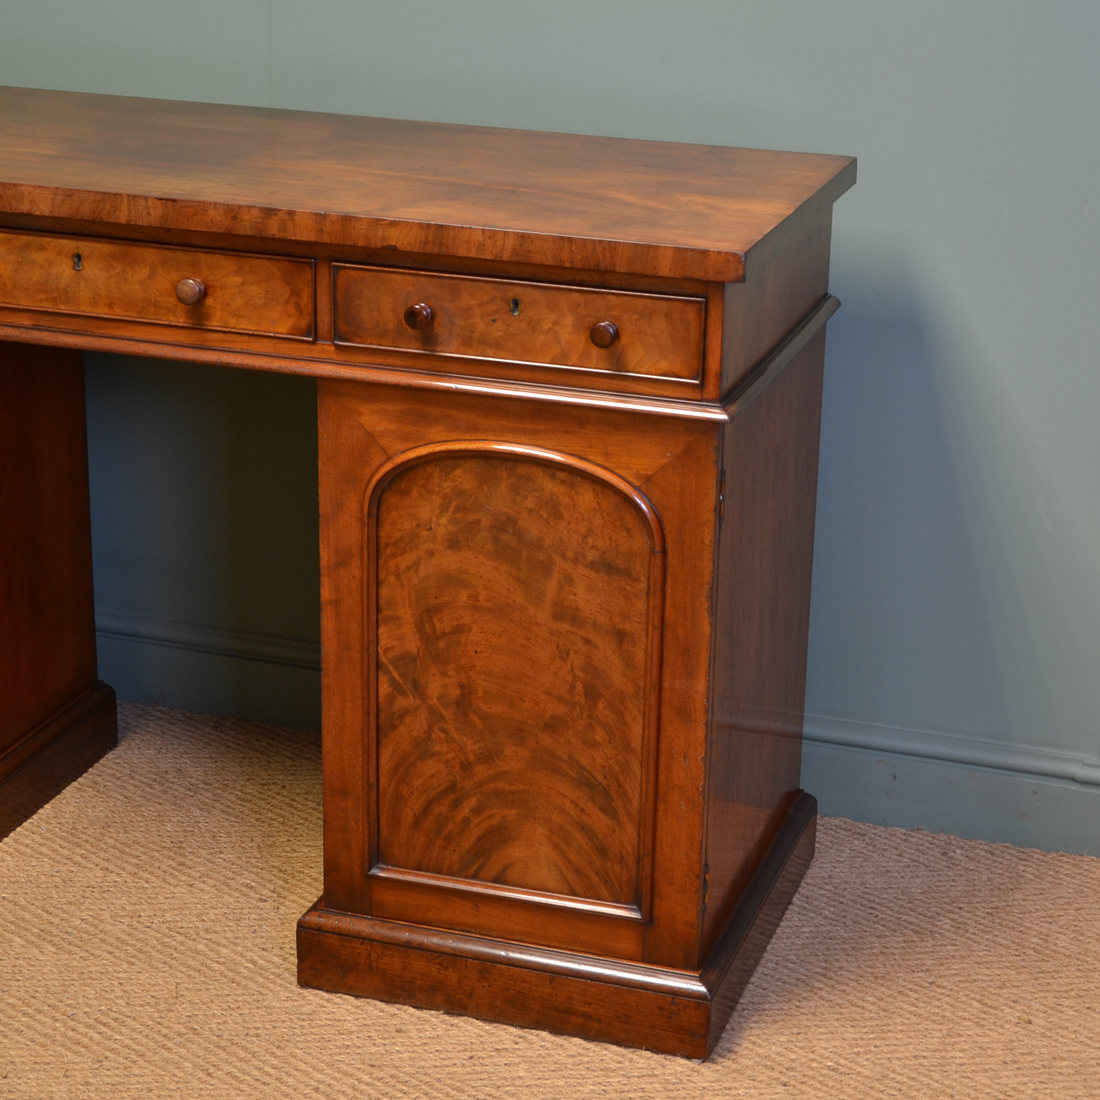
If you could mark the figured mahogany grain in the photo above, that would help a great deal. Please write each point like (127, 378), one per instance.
(252, 351)
(221, 290)
(610, 204)
(674, 1011)
(513, 628)
(520, 321)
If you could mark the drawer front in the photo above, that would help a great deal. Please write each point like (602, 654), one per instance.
(654, 335)
(257, 294)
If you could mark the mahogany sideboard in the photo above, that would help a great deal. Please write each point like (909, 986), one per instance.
(569, 396)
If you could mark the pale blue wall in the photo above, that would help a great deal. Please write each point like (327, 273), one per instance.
(954, 676)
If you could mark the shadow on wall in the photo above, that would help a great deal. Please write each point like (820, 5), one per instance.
(956, 607)
(900, 633)
(955, 584)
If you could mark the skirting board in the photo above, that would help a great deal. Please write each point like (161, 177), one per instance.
(887, 775)
(57, 752)
(208, 670)
(911, 791)
(134, 627)
(1028, 760)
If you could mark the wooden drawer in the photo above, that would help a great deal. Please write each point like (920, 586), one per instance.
(242, 293)
(654, 335)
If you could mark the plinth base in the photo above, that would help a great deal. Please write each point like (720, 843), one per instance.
(634, 1004)
(59, 751)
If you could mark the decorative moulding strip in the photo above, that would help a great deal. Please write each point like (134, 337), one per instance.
(745, 392)
(573, 964)
(954, 749)
(500, 449)
(513, 893)
(133, 627)
(22, 329)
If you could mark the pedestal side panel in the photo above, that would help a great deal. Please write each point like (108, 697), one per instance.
(47, 619)
(55, 719)
(765, 559)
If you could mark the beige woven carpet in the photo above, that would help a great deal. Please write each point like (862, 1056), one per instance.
(147, 949)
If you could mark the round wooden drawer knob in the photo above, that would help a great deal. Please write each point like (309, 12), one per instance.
(419, 316)
(190, 291)
(604, 333)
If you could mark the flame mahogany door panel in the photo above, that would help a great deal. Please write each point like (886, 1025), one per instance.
(514, 597)
(510, 597)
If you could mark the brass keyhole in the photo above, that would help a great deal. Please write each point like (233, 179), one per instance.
(78, 262)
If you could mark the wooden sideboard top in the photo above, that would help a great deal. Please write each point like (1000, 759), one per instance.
(605, 204)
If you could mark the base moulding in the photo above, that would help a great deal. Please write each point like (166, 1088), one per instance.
(53, 755)
(634, 1004)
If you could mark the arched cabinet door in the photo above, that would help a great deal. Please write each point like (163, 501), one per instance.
(514, 612)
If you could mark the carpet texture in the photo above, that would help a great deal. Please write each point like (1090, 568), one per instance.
(147, 949)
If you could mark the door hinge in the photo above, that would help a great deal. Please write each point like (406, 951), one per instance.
(706, 885)
(721, 495)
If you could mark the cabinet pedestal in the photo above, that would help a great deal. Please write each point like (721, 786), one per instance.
(56, 720)
(657, 1008)
(564, 671)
